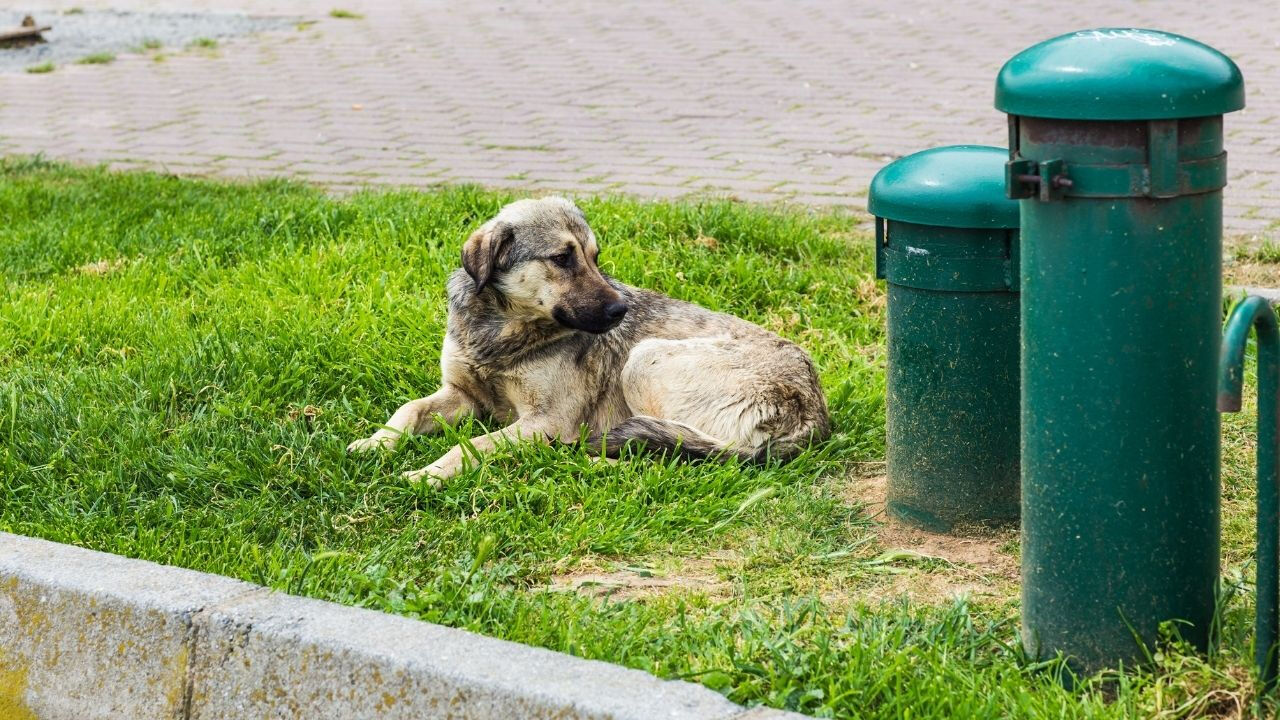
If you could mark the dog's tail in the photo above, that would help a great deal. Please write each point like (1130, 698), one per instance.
(656, 435)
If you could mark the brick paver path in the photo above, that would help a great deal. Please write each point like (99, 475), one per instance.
(761, 99)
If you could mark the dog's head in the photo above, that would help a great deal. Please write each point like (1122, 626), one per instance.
(540, 255)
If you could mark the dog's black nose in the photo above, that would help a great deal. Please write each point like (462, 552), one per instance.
(615, 310)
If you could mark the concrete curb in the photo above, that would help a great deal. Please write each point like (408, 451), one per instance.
(85, 634)
(1272, 295)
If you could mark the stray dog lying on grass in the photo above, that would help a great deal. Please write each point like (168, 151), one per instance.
(541, 340)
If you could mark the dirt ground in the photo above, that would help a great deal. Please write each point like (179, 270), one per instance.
(1252, 274)
(980, 566)
(634, 582)
(896, 562)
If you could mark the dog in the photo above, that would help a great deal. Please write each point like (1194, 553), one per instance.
(539, 339)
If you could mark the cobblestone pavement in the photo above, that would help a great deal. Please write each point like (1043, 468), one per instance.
(760, 99)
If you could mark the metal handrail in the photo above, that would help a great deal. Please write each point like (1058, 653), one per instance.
(1255, 312)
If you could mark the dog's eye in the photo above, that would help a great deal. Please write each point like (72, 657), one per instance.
(565, 259)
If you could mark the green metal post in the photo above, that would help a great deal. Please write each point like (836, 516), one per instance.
(947, 243)
(1250, 313)
(1116, 153)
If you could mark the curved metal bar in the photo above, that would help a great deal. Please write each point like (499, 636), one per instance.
(1255, 312)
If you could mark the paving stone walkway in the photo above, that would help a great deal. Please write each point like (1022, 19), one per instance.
(764, 100)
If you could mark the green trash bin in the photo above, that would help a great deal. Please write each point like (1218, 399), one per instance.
(1116, 154)
(947, 245)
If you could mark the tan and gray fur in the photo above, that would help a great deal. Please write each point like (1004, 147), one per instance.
(541, 340)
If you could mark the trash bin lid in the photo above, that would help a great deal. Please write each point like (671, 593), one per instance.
(954, 186)
(1119, 74)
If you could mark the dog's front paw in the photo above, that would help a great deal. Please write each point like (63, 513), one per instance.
(373, 442)
(437, 472)
(424, 476)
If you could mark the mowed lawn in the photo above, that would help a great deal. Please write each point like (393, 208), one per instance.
(182, 364)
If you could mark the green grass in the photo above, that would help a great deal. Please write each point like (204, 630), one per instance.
(101, 58)
(148, 45)
(44, 67)
(203, 43)
(345, 14)
(182, 363)
(1267, 252)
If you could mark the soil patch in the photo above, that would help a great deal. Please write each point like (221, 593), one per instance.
(1252, 274)
(102, 267)
(979, 566)
(636, 582)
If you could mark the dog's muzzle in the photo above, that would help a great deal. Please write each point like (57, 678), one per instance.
(599, 319)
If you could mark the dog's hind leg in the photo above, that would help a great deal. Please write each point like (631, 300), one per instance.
(659, 435)
(697, 393)
(417, 417)
(717, 396)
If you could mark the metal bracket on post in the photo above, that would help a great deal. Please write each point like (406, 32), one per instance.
(1020, 178)
(1255, 311)
(1045, 180)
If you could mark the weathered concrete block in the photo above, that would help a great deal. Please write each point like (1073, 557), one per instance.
(88, 635)
(287, 657)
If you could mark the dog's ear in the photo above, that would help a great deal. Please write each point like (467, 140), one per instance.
(483, 252)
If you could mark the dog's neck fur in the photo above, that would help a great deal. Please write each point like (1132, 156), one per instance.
(493, 339)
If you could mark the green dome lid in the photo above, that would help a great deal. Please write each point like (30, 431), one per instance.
(955, 186)
(1119, 74)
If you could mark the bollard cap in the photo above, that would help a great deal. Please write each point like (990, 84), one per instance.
(956, 186)
(1119, 74)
